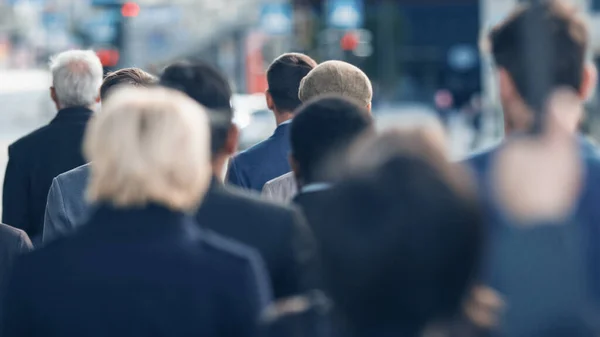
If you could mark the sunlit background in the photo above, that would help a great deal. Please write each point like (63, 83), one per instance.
(422, 55)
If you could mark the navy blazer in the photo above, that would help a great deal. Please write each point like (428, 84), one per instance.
(280, 234)
(252, 168)
(137, 272)
(34, 161)
(586, 214)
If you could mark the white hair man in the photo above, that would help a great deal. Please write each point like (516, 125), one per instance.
(37, 158)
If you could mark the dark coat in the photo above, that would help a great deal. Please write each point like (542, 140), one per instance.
(137, 272)
(280, 234)
(254, 167)
(34, 161)
(13, 242)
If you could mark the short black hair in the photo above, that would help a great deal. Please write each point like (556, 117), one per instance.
(399, 245)
(284, 76)
(210, 88)
(568, 35)
(323, 127)
(126, 76)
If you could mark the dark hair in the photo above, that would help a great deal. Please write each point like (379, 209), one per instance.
(127, 76)
(208, 87)
(568, 36)
(400, 243)
(284, 76)
(323, 127)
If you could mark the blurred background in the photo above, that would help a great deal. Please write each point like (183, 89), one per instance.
(422, 56)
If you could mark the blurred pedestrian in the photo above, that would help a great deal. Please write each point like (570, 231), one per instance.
(252, 168)
(401, 239)
(278, 233)
(328, 78)
(321, 133)
(37, 158)
(569, 38)
(140, 265)
(60, 216)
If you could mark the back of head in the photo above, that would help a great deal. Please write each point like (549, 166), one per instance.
(284, 76)
(322, 128)
(402, 239)
(568, 38)
(149, 146)
(208, 87)
(126, 76)
(337, 78)
(76, 78)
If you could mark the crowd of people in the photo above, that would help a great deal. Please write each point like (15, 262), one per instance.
(119, 221)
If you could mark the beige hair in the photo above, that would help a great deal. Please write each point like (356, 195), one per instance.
(337, 78)
(149, 145)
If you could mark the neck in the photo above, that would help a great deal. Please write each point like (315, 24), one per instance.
(281, 117)
(218, 166)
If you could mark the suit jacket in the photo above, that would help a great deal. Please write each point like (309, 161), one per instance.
(252, 168)
(34, 161)
(13, 242)
(137, 272)
(280, 234)
(281, 189)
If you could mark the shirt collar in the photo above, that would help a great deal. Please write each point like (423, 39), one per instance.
(315, 187)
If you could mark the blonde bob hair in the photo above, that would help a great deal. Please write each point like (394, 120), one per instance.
(149, 145)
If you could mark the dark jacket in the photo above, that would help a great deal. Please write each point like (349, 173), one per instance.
(267, 160)
(13, 242)
(278, 233)
(137, 272)
(34, 161)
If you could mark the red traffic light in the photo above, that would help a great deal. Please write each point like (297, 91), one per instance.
(130, 9)
(108, 57)
(349, 41)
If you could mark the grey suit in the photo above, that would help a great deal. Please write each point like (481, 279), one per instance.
(62, 216)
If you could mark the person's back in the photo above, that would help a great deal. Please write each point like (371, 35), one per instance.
(567, 69)
(141, 265)
(252, 168)
(37, 158)
(151, 275)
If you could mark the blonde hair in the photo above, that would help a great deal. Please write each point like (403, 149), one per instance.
(149, 146)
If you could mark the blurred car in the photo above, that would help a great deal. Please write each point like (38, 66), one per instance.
(254, 119)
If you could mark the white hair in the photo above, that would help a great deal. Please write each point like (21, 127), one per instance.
(149, 145)
(76, 78)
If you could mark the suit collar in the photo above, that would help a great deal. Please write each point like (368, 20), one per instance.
(282, 129)
(74, 114)
(148, 220)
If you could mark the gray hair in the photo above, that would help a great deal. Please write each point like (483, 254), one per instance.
(76, 78)
(336, 78)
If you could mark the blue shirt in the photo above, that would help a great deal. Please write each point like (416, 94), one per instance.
(253, 168)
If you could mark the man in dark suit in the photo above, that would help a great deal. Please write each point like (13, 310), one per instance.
(37, 158)
(252, 168)
(278, 233)
(569, 39)
(322, 129)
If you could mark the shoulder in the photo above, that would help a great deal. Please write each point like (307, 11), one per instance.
(9, 233)
(254, 153)
(227, 249)
(282, 181)
(253, 203)
(29, 140)
(76, 175)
